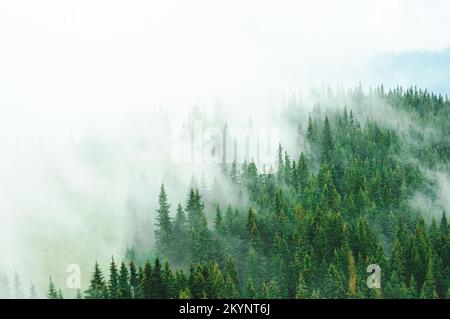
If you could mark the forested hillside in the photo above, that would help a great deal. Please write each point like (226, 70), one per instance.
(310, 227)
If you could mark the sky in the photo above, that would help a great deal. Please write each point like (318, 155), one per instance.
(63, 63)
(71, 66)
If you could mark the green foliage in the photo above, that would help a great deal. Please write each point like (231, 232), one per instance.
(98, 288)
(310, 229)
(164, 227)
(52, 292)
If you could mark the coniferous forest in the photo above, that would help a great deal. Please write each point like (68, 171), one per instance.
(312, 226)
(319, 225)
(219, 159)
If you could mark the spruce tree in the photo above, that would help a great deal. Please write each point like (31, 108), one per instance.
(326, 143)
(158, 289)
(302, 289)
(18, 292)
(217, 283)
(302, 173)
(113, 284)
(169, 282)
(219, 223)
(163, 230)
(185, 294)
(270, 290)
(146, 282)
(251, 289)
(98, 289)
(180, 238)
(33, 293)
(201, 241)
(124, 282)
(52, 292)
(231, 273)
(310, 132)
(428, 290)
(4, 287)
(134, 280)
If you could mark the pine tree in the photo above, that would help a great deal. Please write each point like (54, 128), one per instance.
(231, 273)
(428, 290)
(18, 292)
(302, 289)
(146, 282)
(179, 237)
(251, 289)
(52, 292)
(327, 143)
(217, 283)
(113, 284)
(234, 175)
(315, 294)
(444, 225)
(281, 168)
(252, 230)
(163, 230)
(196, 282)
(302, 173)
(194, 208)
(334, 284)
(134, 280)
(4, 287)
(158, 291)
(33, 293)
(181, 281)
(310, 132)
(169, 283)
(220, 227)
(255, 268)
(398, 259)
(353, 276)
(270, 290)
(287, 169)
(185, 294)
(98, 289)
(230, 290)
(201, 242)
(124, 282)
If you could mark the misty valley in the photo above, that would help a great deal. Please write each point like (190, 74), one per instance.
(354, 204)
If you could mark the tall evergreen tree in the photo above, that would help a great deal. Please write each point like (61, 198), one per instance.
(124, 282)
(428, 290)
(180, 237)
(147, 281)
(113, 284)
(134, 280)
(163, 231)
(18, 292)
(52, 292)
(157, 285)
(327, 143)
(33, 293)
(98, 289)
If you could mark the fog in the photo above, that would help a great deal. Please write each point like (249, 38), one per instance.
(93, 96)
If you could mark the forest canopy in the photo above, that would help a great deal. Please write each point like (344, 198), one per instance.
(311, 226)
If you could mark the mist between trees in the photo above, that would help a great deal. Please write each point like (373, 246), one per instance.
(347, 189)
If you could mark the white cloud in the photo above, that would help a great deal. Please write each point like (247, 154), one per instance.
(72, 59)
